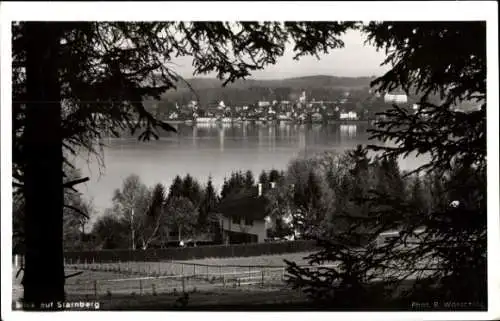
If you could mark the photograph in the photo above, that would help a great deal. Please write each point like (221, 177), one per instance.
(233, 164)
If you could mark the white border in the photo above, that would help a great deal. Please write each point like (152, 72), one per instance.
(6, 160)
(252, 10)
(364, 11)
(493, 164)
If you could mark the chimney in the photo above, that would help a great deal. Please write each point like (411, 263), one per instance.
(260, 189)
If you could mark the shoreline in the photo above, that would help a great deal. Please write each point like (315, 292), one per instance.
(257, 121)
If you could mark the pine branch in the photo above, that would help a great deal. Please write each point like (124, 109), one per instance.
(72, 183)
(77, 210)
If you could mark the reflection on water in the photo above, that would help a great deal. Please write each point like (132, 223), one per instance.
(221, 138)
(216, 150)
(195, 136)
(348, 130)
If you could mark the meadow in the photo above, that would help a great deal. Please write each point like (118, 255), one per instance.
(104, 280)
(202, 267)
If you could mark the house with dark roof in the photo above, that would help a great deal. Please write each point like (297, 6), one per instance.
(243, 217)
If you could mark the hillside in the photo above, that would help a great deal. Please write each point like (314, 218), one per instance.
(210, 90)
(319, 81)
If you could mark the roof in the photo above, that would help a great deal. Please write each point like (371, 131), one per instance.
(245, 204)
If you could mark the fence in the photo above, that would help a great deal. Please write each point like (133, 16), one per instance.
(141, 278)
(112, 279)
(190, 253)
(102, 280)
(176, 283)
(166, 268)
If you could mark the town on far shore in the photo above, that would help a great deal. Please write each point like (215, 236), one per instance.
(350, 106)
(305, 109)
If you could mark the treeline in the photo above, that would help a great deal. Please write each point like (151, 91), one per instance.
(142, 217)
(318, 197)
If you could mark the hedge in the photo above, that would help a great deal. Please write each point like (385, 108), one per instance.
(191, 253)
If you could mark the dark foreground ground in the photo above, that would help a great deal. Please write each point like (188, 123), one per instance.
(251, 299)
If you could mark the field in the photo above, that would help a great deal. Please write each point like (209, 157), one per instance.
(150, 279)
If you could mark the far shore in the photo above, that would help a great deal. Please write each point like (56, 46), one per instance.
(189, 122)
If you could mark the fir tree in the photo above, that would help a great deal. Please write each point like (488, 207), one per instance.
(307, 199)
(191, 190)
(274, 176)
(417, 195)
(225, 189)
(264, 179)
(208, 205)
(389, 179)
(175, 189)
(154, 217)
(249, 179)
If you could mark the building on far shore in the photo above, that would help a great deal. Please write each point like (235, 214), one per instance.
(303, 97)
(263, 104)
(396, 98)
(352, 115)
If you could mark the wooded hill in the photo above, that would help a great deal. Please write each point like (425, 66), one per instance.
(210, 90)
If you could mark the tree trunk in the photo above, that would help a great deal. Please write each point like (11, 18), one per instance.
(43, 177)
(82, 237)
(132, 230)
(153, 234)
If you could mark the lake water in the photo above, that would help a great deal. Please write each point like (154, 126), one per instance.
(216, 150)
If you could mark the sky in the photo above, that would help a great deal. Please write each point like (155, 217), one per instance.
(354, 60)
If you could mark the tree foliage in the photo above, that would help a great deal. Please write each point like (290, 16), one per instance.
(454, 72)
(448, 262)
(182, 216)
(191, 190)
(249, 180)
(175, 189)
(207, 208)
(237, 182)
(263, 178)
(309, 198)
(75, 221)
(132, 202)
(111, 231)
(153, 218)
